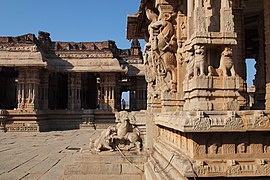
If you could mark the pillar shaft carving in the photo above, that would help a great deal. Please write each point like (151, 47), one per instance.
(44, 90)
(108, 90)
(28, 86)
(260, 69)
(74, 91)
(239, 50)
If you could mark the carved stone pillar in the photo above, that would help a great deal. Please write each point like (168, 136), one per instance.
(28, 85)
(108, 85)
(74, 91)
(44, 90)
(226, 17)
(267, 50)
(239, 49)
(260, 69)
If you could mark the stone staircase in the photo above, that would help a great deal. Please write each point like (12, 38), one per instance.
(107, 165)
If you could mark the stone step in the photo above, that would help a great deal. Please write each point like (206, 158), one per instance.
(104, 177)
(107, 163)
(115, 157)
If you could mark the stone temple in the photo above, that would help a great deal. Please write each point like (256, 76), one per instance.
(190, 115)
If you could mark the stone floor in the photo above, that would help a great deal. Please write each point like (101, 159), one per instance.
(40, 155)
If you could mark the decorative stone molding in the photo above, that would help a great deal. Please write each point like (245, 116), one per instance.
(218, 121)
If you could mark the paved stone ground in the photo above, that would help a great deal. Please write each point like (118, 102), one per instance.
(41, 156)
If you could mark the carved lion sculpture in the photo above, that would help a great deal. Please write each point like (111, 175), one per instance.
(226, 63)
(226, 67)
(199, 61)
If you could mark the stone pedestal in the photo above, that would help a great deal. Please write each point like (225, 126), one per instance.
(211, 93)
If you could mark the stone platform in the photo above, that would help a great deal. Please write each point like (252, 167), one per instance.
(107, 165)
(35, 155)
(63, 155)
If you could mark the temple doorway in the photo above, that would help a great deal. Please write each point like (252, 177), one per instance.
(125, 100)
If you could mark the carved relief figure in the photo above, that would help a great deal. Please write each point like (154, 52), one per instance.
(199, 61)
(242, 147)
(166, 46)
(149, 58)
(152, 17)
(190, 65)
(213, 149)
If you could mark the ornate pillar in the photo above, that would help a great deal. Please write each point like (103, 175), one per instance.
(226, 17)
(260, 69)
(44, 91)
(74, 91)
(239, 49)
(108, 86)
(267, 50)
(28, 85)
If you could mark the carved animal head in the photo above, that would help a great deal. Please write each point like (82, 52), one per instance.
(199, 50)
(227, 52)
(151, 15)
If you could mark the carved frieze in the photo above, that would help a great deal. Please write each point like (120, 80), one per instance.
(32, 48)
(233, 122)
(201, 122)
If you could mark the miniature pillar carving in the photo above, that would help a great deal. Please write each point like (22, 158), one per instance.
(74, 91)
(108, 85)
(28, 85)
(44, 90)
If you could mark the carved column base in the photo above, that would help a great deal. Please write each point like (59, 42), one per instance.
(206, 93)
(170, 102)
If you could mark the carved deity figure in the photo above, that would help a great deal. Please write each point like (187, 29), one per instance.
(199, 61)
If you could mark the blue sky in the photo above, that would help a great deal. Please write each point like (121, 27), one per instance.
(70, 20)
